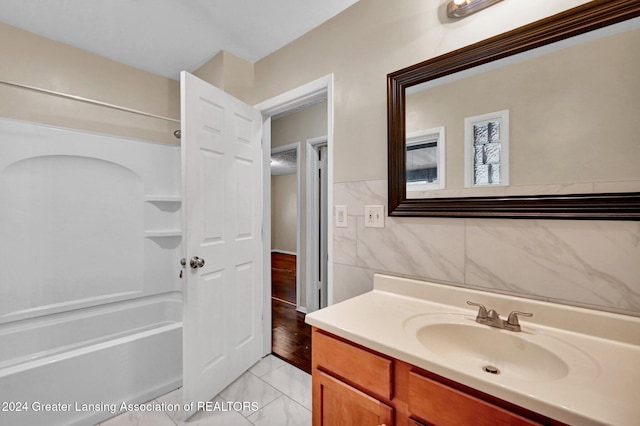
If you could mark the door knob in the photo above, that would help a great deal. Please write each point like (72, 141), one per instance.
(196, 262)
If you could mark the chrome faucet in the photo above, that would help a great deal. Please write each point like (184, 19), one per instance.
(492, 318)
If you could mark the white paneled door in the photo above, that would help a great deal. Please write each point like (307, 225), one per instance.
(222, 178)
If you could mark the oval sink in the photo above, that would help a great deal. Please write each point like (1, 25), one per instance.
(531, 355)
(484, 347)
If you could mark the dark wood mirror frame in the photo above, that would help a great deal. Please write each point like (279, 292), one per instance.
(579, 20)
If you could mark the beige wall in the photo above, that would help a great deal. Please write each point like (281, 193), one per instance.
(284, 213)
(365, 43)
(591, 263)
(571, 114)
(33, 60)
(230, 73)
(307, 123)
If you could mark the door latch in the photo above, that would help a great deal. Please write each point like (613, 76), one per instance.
(183, 262)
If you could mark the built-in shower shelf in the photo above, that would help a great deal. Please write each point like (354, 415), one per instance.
(170, 233)
(163, 199)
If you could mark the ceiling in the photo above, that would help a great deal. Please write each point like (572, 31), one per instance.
(168, 36)
(284, 163)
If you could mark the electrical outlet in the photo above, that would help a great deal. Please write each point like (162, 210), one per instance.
(374, 216)
(341, 216)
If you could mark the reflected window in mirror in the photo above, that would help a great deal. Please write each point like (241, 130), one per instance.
(487, 149)
(425, 161)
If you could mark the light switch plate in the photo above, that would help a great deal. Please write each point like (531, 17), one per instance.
(374, 216)
(341, 216)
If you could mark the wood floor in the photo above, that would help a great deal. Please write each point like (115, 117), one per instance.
(283, 277)
(291, 337)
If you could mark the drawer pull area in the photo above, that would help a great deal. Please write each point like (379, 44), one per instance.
(436, 403)
(362, 368)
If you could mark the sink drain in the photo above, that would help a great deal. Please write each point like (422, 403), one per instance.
(491, 369)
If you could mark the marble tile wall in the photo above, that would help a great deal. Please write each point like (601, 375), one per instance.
(594, 264)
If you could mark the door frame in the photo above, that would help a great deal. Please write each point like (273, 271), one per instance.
(291, 147)
(308, 93)
(312, 236)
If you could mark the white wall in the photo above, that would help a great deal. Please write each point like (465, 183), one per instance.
(84, 219)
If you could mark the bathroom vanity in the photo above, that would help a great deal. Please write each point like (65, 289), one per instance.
(411, 352)
(353, 385)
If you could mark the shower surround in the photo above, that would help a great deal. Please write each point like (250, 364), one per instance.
(90, 300)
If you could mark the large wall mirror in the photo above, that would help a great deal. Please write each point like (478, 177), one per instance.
(539, 122)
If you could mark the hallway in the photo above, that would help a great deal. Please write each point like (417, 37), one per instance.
(291, 337)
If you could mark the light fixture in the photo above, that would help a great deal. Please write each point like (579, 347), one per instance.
(462, 8)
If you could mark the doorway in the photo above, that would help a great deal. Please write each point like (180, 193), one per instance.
(296, 258)
(290, 335)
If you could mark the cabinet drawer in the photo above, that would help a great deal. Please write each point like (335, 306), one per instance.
(435, 403)
(360, 367)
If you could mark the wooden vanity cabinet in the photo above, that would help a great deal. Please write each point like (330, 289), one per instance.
(355, 386)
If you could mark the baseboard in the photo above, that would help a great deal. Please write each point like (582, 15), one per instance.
(292, 253)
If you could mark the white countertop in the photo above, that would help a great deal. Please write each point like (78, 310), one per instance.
(601, 349)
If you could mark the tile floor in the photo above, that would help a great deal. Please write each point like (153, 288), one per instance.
(282, 392)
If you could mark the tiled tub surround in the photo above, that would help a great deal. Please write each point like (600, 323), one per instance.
(600, 351)
(584, 263)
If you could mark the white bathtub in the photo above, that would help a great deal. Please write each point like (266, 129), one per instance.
(102, 356)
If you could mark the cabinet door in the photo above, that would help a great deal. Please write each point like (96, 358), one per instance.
(337, 404)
